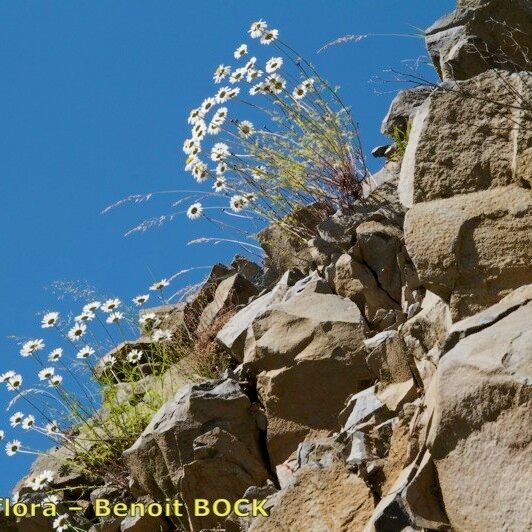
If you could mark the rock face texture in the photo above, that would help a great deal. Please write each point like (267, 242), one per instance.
(380, 374)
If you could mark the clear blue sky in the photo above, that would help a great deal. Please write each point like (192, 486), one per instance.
(93, 107)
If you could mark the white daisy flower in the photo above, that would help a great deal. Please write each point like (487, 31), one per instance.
(61, 523)
(219, 184)
(246, 128)
(52, 427)
(114, 317)
(299, 92)
(13, 447)
(85, 316)
(2, 435)
(92, 306)
(28, 422)
(219, 151)
(276, 83)
(223, 94)
(31, 346)
(308, 83)
(194, 116)
(199, 129)
(16, 419)
(207, 105)
(220, 115)
(149, 318)
(55, 355)
(141, 299)
(257, 89)
(233, 93)
(46, 373)
(257, 28)
(14, 383)
(191, 146)
(253, 74)
(200, 172)
(214, 128)
(55, 381)
(238, 75)
(110, 305)
(274, 64)
(192, 161)
(49, 319)
(195, 211)
(134, 356)
(76, 332)
(85, 352)
(241, 51)
(4, 377)
(220, 73)
(51, 499)
(162, 335)
(159, 285)
(268, 36)
(221, 168)
(250, 64)
(238, 202)
(108, 361)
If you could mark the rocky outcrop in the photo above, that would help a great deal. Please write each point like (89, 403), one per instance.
(481, 35)
(205, 430)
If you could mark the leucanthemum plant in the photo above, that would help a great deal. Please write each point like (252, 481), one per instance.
(276, 138)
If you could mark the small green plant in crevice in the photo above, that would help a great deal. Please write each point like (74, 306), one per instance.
(400, 135)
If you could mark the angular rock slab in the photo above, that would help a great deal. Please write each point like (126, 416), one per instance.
(171, 443)
(472, 249)
(471, 136)
(481, 434)
(309, 357)
(480, 35)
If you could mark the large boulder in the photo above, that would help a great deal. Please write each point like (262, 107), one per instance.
(207, 429)
(472, 249)
(308, 356)
(481, 429)
(480, 35)
(471, 136)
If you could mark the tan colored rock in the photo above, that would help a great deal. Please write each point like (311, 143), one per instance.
(472, 249)
(469, 137)
(481, 433)
(157, 461)
(330, 499)
(480, 35)
(309, 357)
